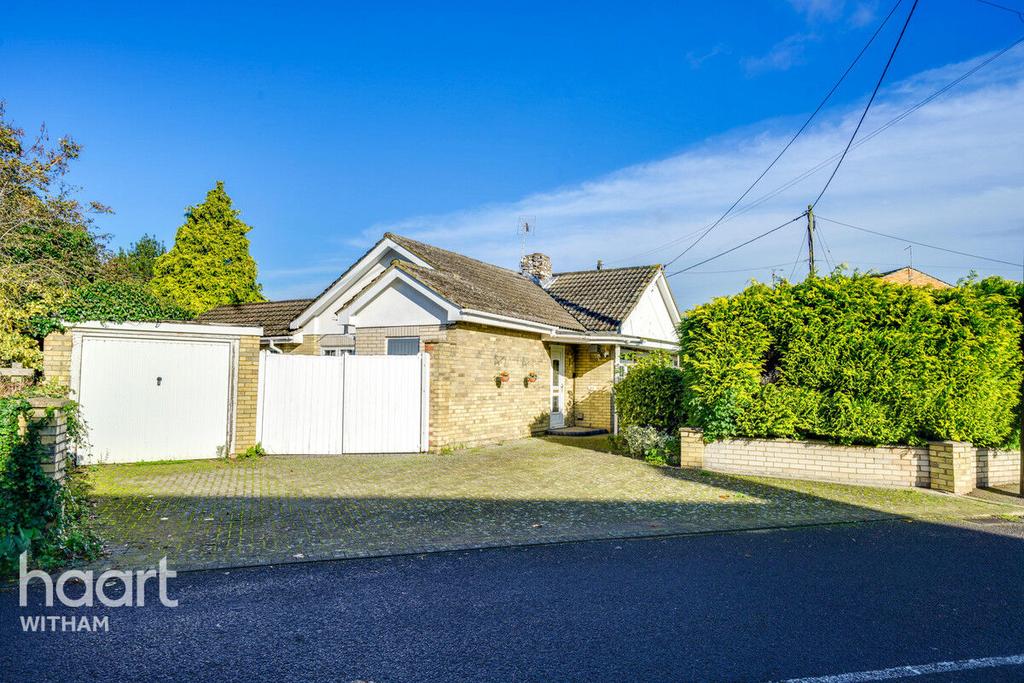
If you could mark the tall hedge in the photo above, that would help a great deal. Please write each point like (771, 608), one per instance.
(855, 359)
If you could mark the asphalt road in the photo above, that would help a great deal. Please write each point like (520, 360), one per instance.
(732, 607)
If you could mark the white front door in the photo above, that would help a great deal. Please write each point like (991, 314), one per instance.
(557, 386)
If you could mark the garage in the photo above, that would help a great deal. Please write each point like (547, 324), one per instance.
(152, 391)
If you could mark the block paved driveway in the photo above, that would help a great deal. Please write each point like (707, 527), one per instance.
(204, 514)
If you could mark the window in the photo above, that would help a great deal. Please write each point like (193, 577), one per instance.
(329, 351)
(403, 346)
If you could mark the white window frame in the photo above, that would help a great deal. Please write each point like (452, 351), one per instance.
(335, 351)
(387, 345)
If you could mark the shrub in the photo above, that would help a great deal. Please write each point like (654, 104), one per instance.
(854, 359)
(37, 514)
(647, 443)
(651, 394)
(254, 451)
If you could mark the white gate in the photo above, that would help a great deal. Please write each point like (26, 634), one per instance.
(329, 405)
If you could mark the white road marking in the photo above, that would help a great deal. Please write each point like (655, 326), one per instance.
(915, 670)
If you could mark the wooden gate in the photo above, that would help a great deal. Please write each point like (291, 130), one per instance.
(330, 405)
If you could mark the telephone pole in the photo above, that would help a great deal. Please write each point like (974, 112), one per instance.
(810, 240)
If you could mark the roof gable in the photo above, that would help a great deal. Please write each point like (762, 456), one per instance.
(601, 299)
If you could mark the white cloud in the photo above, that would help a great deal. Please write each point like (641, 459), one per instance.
(950, 174)
(829, 10)
(784, 55)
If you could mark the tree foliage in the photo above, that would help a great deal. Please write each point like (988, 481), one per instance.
(134, 264)
(209, 264)
(856, 360)
(47, 242)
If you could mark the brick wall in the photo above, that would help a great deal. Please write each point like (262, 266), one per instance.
(942, 465)
(592, 390)
(467, 405)
(998, 467)
(247, 392)
(889, 466)
(373, 341)
(57, 357)
(309, 346)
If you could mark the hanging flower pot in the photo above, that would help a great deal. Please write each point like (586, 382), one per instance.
(531, 377)
(503, 377)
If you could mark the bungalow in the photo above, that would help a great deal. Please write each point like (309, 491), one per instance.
(512, 353)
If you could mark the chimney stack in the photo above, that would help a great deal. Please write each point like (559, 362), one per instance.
(536, 266)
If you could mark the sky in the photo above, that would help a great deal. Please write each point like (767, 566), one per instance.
(617, 129)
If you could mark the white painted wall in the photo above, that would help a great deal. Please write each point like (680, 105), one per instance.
(327, 321)
(652, 318)
(399, 304)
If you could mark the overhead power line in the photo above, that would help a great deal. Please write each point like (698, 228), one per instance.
(746, 208)
(920, 244)
(734, 270)
(1020, 15)
(867, 107)
(738, 246)
(802, 128)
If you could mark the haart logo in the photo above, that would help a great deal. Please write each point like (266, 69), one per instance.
(96, 589)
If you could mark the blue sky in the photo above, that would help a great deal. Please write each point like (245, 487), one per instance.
(620, 126)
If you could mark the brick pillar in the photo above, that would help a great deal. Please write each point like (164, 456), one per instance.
(953, 466)
(48, 421)
(57, 357)
(691, 448)
(248, 393)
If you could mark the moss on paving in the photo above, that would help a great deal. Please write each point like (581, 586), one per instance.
(210, 513)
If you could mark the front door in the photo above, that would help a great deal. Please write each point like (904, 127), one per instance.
(557, 386)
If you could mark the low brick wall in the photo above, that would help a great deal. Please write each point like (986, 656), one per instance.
(943, 465)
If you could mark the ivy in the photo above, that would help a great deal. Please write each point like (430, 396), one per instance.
(854, 359)
(109, 302)
(37, 514)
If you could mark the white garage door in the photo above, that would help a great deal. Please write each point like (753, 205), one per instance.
(152, 399)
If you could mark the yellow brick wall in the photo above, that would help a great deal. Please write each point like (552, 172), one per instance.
(57, 357)
(372, 341)
(247, 393)
(310, 346)
(467, 405)
(592, 391)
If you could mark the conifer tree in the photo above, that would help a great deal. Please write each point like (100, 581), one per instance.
(209, 264)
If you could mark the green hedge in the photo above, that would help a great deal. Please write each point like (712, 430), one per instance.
(854, 359)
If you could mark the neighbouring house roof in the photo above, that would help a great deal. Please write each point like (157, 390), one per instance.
(469, 283)
(273, 316)
(601, 299)
(914, 277)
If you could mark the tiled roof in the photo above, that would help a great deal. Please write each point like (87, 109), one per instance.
(601, 299)
(469, 283)
(914, 277)
(273, 316)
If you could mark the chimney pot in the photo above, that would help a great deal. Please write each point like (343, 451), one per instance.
(536, 266)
